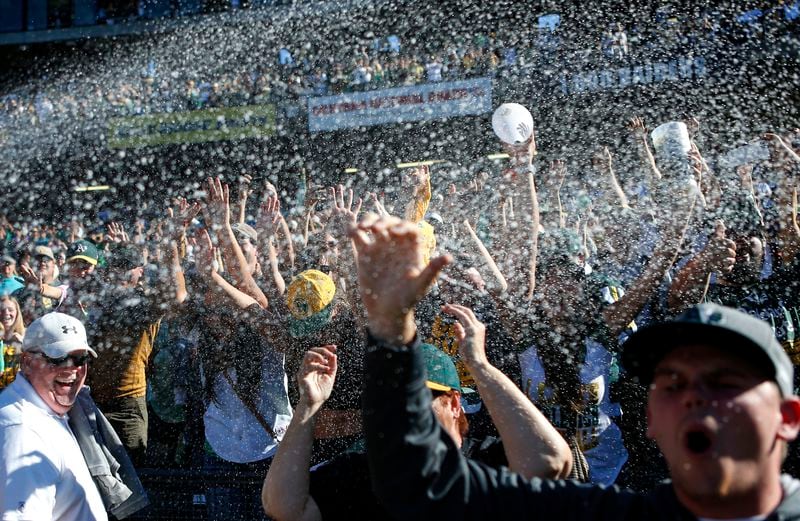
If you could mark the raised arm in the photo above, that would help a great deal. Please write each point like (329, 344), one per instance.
(218, 213)
(285, 495)
(34, 282)
(534, 447)
(269, 221)
(639, 131)
(344, 214)
(206, 252)
(605, 161)
(676, 219)
(691, 282)
(787, 161)
(244, 193)
(519, 243)
(177, 221)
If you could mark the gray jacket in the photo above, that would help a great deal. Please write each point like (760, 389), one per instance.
(109, 464)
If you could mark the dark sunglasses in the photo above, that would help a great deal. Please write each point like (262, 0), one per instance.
(77, 360)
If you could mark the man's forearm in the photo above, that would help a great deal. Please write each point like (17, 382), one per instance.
(285, 494)
(52, 292)
(618, 315)
(534, 448)
(689, 285)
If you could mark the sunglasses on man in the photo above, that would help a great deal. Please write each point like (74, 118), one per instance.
(77, 360)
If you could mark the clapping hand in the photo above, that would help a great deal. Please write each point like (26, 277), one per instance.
(317, 375)
(470, 333)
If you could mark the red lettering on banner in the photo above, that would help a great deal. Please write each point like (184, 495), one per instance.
(449, 95)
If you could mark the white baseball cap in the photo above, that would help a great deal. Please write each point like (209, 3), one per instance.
(56, 335)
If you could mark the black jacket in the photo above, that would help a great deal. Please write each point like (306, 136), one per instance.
(418, 473)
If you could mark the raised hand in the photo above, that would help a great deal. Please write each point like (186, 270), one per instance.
(218, 208)
(391, 274)
(692, 124)
(419, 177)
(244, 186)
(269, 217)
(378, 205)
(178, 221)
(558, 172)
(523, 153)
(29, 275)
(637, 127)
(343, 214)
(720, 253)
(116, 233)
(317, 375)
(204, 254)
(470, 333)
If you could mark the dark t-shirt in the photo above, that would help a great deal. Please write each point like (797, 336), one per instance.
(349, 341)
(341, 486)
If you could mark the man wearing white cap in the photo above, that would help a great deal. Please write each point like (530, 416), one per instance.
(43, 474)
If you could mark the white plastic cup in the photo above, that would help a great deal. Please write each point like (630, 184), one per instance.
(671, 141)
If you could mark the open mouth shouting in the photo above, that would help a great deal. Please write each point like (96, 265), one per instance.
(698, 440)
(65, 388)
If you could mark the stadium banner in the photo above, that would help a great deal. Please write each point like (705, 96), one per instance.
(678, 69)
(197, 126)
(400, 105)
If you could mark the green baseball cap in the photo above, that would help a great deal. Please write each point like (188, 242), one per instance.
(83, 250)
(442, 373)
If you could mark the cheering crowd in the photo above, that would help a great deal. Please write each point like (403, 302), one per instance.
(417, 351)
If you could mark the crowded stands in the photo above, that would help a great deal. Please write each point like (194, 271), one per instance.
(201, 321)
(278, 347)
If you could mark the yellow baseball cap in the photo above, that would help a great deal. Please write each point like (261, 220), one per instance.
(309, 298)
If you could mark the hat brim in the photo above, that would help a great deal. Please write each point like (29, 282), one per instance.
(433, 386)
(90, 260)
(65, 347)
(302, 327)
(643, 351)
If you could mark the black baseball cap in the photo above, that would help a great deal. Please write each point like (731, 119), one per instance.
(737, 332)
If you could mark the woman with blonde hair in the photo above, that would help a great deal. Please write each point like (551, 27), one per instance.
(13, 331)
